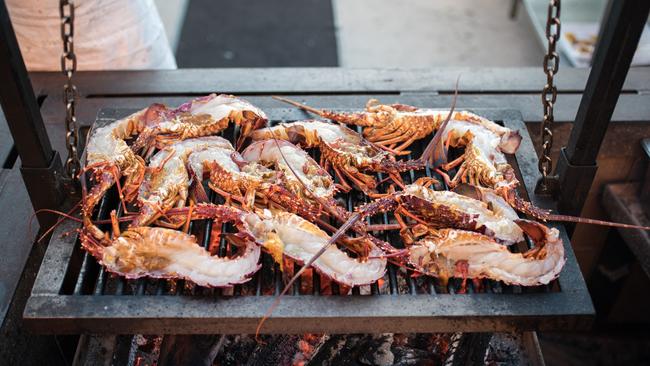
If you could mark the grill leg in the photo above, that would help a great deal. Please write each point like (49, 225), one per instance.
(618, 39)
(41, 166)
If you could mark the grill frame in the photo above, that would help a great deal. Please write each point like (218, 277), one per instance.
(50, 311)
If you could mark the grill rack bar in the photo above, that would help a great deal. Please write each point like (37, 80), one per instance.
(97, 302)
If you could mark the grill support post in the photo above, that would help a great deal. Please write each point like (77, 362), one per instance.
(41, 166)
(617, 42)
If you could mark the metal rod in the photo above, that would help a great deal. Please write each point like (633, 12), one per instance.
(619, 36)
(41, 166)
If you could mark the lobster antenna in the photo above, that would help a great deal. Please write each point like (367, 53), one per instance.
(304, 107)
(63, 216)
(429, 151)
(582, 220)
(351, 221)
(471, 191)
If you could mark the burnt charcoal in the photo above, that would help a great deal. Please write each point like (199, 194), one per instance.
(188, 349)
(236, 350)
(314, 349)
(416, 357)
(278, 350)
(377, 351)
(271, 350)
(341, 350)
(420, 349)
(504, 349)
(147, 349)
(382, 349)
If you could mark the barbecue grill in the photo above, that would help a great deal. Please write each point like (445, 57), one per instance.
(72, 294)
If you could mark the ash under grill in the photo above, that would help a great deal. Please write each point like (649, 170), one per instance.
(73, 294)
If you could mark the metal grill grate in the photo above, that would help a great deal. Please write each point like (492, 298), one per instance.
(73, 294)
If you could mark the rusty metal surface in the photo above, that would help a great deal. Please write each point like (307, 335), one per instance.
(73, 295)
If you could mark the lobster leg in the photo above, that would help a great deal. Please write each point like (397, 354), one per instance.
(397, 179)
(400, 220)
(175, 222)
(386, 136)
(445, 177)
(459, 177)
(115, 225)
(114, 171)
(134, 180)
(388, 148)
(186, 227)
(406, 144)
(454, 163)
(228, 196)
(426, 181)
(365, 186)
(450, 136)
(396, 140)
(398, 128)
(345, 187)
(215, 237)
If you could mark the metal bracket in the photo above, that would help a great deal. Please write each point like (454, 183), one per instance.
(619, 36)
(45, 187)
(550, 187)
(575, 182)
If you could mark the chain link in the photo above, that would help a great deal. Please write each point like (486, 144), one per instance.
(68, 67)
(549, 92)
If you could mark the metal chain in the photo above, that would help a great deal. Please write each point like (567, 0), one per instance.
(68, 67)
(549, 93)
